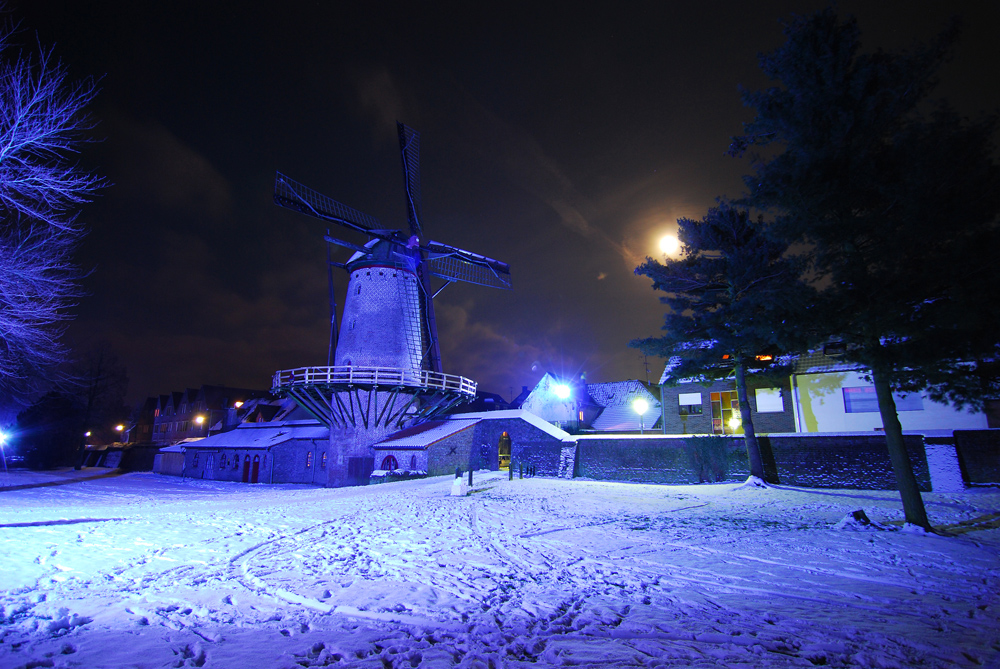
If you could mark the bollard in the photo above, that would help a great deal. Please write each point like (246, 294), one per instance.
(458, 472)
(470, 477)
(520, 471)
(510, 473)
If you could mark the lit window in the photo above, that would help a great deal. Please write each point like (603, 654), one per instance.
(725, 406)
(689, 404)
(322, 460)
(309, 459)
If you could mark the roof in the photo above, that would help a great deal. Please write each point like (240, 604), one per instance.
(526, 416)
(425, 434)
(815, 362)
(620, 393)
(264, 435)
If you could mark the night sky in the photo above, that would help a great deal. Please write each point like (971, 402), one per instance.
(564, 140)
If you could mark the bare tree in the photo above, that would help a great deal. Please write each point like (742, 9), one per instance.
(42, 124)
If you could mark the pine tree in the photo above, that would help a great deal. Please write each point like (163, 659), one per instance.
(730, 296)
(895, 202)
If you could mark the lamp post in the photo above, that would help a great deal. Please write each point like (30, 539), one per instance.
(640, 406)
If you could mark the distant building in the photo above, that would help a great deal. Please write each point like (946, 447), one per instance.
(822, 394)
(197, 412)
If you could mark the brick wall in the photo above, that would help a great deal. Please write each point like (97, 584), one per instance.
(528, 445)
(783, 421)
(979, 456)
(842, 461)
(648, 460)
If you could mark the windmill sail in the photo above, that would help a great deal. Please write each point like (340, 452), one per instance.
(409, 149)
(454, 264)
(293, 195)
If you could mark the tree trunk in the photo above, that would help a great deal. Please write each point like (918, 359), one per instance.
(749, 436)
(909, 491)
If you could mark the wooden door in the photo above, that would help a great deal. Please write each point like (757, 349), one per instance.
(246, 468)
(254, 475)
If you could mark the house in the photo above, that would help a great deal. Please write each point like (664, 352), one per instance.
(832, 395)
(822, 394)
(486, 440)
(196, 412)
(574, 405)
(291, 451)
(563, 402)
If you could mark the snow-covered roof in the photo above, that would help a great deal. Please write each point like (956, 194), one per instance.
(425, 434)
(620, 393)
(265, 435)
(527, 416)
(625, 419)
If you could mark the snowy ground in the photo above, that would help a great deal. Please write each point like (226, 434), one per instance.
(143, 570)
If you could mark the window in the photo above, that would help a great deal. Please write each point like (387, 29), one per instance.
(322, 460)
(184, 408)
(725, 406)
(222, 461)
(413, 462)
(769, 400)
(359, 290)
(309, 459)
(863, 400)
(194, 463)
(389, 463)
(236, 460)
(689, 404)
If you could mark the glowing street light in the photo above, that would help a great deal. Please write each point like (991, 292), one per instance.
(561, 391)
(200, 420)
(119, 428)
(237, 404)
(87, 433)
(640, 406)
(734, 423)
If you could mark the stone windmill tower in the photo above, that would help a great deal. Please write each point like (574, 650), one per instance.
(387, 366)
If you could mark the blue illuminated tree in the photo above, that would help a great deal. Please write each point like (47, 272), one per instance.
(42, 124)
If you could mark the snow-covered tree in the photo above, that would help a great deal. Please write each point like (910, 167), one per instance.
(42, 124)
(895, 201)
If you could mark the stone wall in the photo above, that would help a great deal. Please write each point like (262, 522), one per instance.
(979, 456)
(820, 461)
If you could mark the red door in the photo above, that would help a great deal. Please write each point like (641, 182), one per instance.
(256, 469)
(246, 469)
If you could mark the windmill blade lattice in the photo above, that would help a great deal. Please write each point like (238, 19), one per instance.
(409, 148)
(293, 195)
(454, 264)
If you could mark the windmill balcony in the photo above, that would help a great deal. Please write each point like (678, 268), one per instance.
(373, 377)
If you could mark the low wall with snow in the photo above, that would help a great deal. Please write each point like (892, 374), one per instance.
(858, 461)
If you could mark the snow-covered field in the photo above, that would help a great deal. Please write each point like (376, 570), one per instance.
(142, 570)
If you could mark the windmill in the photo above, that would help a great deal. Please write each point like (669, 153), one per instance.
(387, 367)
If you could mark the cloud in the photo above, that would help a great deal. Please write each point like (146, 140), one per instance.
(151, 164)
(477, 350)
(380, 99)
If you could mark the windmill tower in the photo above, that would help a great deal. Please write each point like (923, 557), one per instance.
(387, 367)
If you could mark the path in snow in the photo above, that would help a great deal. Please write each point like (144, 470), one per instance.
(144, 570)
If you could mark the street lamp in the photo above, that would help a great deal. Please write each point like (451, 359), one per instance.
(237, 404)
(119, 428)
(200, 420)
(561, 391)
(640, 406)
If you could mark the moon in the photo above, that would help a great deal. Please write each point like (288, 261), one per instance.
(669, 245)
